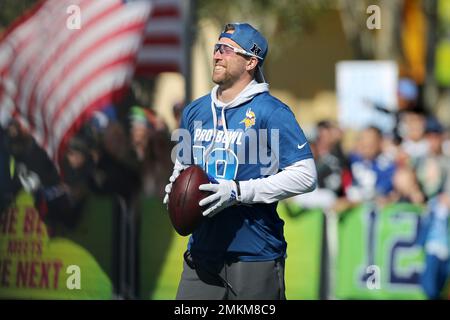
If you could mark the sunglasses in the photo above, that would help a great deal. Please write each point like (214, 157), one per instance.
(227, 49)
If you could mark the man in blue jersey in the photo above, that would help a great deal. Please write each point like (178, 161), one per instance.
(256, 154)
(371, 169)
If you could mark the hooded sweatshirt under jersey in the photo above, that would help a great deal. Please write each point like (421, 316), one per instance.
(256, 140)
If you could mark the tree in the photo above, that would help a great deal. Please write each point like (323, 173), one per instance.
(281, 21)
(11, 9)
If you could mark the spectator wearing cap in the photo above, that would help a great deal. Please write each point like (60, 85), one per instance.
(332, 166)
(433, 173)
(412, 130)
(407, 94)
(140, 131)
(407, 100)
(151, 144)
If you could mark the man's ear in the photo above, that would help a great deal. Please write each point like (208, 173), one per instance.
(251, 64)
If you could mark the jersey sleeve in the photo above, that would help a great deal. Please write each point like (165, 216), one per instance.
(292, 145)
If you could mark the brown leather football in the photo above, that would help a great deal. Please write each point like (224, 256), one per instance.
(184, 210)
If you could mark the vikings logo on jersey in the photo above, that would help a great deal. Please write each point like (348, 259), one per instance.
(250, 119)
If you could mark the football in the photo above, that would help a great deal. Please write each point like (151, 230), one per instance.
(184, 211)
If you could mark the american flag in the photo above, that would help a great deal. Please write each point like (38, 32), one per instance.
(164, 43)
(52, 77)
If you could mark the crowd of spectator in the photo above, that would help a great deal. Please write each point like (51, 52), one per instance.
(409, 164)
(127, 157)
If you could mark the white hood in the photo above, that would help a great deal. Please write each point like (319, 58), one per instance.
(250, 91)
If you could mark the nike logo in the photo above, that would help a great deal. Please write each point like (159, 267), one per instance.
(301, 146)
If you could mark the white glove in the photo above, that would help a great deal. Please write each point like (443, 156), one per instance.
(224, 195)
(29, 179)
(177, 168)
(176, 172)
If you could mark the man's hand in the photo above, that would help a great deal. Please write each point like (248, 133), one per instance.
(29, 179)
(224, 195)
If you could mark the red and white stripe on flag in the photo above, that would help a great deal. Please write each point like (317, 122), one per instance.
(162, 50)
(52, 77)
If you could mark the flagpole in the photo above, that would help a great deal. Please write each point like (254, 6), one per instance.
(189, 36)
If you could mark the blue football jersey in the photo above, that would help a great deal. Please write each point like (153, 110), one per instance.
(253, 140)
(374, 174)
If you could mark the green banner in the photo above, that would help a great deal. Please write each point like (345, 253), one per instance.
(303, 230)
(378, 255)
(34, 266)
(160, 251)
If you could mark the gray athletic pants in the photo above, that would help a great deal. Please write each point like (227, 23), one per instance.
(232, 281)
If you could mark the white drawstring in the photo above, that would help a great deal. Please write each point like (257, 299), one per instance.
(213, 110)
(225, 129)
